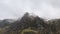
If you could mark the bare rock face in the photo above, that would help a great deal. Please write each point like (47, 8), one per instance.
(32, 23)
(54, 25)
(27, 22)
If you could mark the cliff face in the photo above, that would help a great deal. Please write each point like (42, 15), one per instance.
(33, 24)
(28, 21)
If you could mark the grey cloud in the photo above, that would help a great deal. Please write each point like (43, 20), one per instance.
(48, 9)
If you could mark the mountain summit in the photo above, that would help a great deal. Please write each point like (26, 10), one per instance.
(27, 22)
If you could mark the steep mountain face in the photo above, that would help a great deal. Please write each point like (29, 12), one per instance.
(55, 24)
(27, 21)
(32, 24)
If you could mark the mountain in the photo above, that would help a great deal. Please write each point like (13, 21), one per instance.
(30, 24)
(27, 21)
(6, 22)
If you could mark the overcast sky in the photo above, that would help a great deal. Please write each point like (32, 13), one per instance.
(12, 9)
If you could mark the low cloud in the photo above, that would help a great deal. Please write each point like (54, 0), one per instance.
(49, 9)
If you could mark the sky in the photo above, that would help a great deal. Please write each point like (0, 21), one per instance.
(13, 9)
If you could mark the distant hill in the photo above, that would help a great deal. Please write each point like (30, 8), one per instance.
(6, 22)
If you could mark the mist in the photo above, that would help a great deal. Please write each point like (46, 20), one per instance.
(13, 9)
